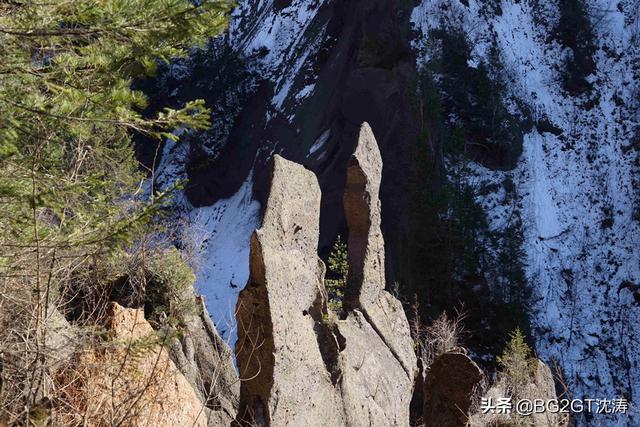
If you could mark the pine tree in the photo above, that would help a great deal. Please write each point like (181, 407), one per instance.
(68, 110)
(338, 269)
(517, 364)
(72, 195)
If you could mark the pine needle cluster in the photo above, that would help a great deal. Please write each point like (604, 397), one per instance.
(73, 199)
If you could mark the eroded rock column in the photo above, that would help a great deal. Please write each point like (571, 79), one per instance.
(284, 378)
(301, 365)
(378, 362)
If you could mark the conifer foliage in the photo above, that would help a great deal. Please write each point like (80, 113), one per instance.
(338, 270)
(516, 364)
(72, 196)
(68, 109)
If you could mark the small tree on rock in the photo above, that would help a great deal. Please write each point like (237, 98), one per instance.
(338, 269)
(517, 364)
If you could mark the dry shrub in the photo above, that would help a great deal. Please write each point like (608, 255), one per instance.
(51, 318)
(441, 336)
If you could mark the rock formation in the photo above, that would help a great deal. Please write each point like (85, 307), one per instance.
(205, 359)
(378, 360)
(299, 363)
(542, 386)
(133, 382)
(285, 380)
(449, 390)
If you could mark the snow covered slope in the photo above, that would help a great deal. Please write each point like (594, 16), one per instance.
(576, 188)
(577, 182)
(283, 39)
(215, 237)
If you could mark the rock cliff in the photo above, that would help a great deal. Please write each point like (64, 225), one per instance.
(299, 363)
(133, 382)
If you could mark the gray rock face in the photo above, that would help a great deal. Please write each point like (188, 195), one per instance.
(284, 378)
(299, 364)
(543, 387)
(205, 360)
(449, 389)
(362, 210)
(375, 387)
(379, 362)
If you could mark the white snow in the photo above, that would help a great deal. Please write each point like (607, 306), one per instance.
(305, 92)
(282, 41)
(319, 143)
(216, 236)
(223, 232)
(567, 184)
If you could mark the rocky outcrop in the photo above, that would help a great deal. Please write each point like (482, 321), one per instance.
(449, 390)
(132, 382)
(543, 387)
(284, 378)
(299, 364)
(205, 360)
(379, 362)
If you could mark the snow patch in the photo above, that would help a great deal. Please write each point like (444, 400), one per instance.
(319, 143)
(223, 232)
(218, 237)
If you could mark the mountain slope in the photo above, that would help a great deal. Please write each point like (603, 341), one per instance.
(319, 68)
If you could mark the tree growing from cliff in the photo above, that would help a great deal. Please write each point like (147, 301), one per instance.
(516, 365)
(72, 196)
(338, 269)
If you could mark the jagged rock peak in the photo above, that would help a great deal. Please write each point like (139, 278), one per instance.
(299, 363)
(378, 352)
(284, 378)
(366, 279)
(362, 210)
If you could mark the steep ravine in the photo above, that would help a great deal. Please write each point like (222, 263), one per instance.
(311, 71)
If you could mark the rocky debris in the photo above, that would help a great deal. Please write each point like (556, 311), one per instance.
(299, 364)
(205, 359)
(133, 382)
(449, 389)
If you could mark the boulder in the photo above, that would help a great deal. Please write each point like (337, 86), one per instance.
(541, 386)
(449, 389)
